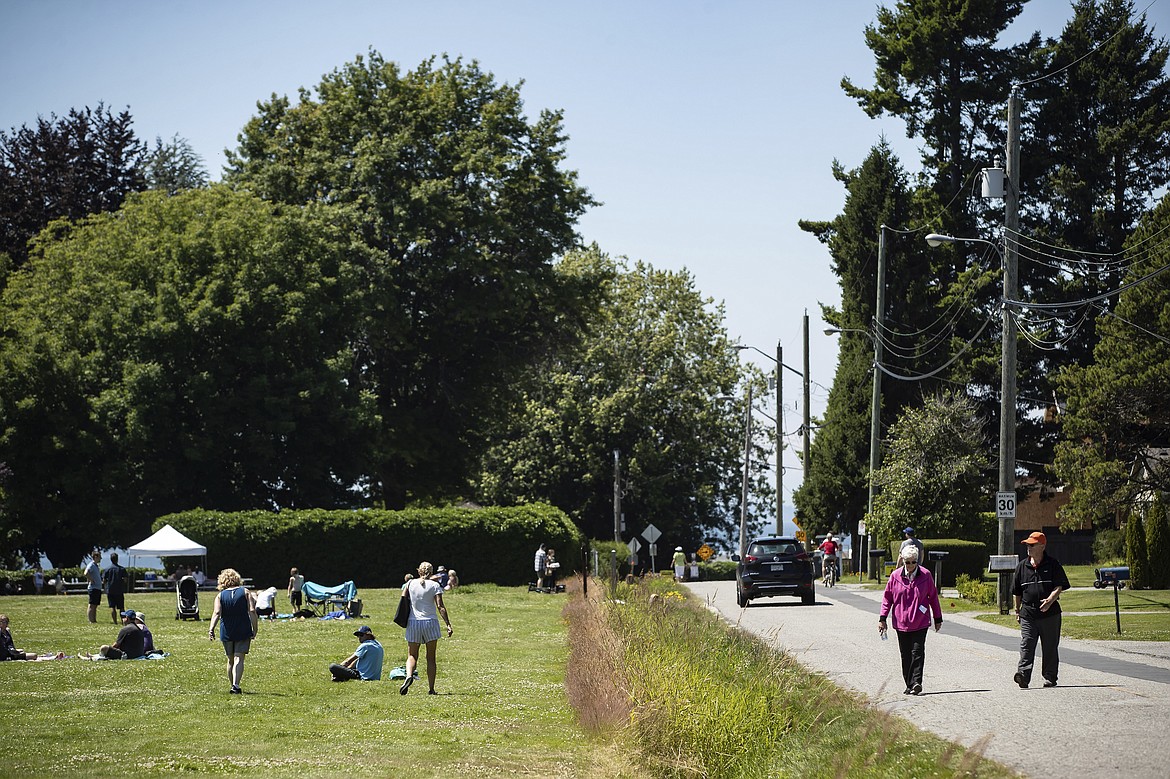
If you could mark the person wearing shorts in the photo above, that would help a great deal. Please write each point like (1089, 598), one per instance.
(426, 606)
(235, 613)
(114, 579)
(93, 578)
(295, 582)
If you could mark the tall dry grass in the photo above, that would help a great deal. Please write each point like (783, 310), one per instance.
(694, 697)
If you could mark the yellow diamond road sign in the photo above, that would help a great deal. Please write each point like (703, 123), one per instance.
(705, 552)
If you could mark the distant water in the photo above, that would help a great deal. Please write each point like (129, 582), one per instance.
(124, 559)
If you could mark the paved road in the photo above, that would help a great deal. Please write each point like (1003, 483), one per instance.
(1110, 714)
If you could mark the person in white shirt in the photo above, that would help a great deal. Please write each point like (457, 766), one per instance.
(264, 600)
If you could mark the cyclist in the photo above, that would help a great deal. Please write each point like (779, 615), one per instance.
(830, 548)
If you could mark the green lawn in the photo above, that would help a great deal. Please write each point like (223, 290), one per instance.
(1134, 627)
(502, 709)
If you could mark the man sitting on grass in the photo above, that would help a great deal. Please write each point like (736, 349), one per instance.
(130, 643)
(365, 663)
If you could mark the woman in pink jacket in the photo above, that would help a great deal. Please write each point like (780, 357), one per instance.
(912, 597)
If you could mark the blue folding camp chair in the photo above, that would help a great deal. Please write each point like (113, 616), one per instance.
(326, 600)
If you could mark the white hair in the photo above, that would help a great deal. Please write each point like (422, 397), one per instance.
(910, 554)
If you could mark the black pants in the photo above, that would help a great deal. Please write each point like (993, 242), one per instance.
(1046, 630)
(343, 674)
(912, 645)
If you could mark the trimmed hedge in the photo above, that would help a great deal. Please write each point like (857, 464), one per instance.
(378, 548)
(22, 580)
(969, 557)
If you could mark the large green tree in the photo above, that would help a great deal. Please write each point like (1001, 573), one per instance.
(1117, 409)
(184, 351)
(650, 380)
(464, 204)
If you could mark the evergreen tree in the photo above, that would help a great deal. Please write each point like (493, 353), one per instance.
(1117, 410)
(85, 162)
(1157, 545)
(1136, 552)
(834, 494)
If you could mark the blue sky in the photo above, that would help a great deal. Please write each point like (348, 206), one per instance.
(707, 129)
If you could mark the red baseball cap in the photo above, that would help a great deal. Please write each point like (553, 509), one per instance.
(1035, 538)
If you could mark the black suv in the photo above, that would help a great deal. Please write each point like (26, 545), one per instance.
(774, 566)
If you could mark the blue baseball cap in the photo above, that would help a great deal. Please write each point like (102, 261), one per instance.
(364, 630)
(909, 530)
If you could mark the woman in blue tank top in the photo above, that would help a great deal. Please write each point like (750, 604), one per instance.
(235, 612)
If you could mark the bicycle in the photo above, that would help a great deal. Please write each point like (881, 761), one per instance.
(830, 566)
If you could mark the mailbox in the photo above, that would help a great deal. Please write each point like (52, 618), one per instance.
(937, 555)
(1108, 576)
(875, 553)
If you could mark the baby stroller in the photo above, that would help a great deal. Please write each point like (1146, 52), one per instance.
(187, 599)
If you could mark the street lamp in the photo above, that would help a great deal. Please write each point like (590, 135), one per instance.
(1007, 405)
(875, 422)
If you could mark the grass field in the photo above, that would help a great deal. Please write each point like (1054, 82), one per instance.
(501, 710)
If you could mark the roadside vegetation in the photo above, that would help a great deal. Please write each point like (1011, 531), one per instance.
(696, 698)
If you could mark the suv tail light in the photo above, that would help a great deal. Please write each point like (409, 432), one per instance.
(750, 558)
(802, 557)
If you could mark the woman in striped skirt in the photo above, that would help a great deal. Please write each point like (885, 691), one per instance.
(426, 605)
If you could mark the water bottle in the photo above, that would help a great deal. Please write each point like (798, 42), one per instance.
(885, 635)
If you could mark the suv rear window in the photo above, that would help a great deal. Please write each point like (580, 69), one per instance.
(767, 550)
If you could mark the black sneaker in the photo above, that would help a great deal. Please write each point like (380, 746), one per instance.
(431, 692)
(908, 691)
(406, 685)
(917, 690)
(236, 690)
(1020, 680)
(1049, 683)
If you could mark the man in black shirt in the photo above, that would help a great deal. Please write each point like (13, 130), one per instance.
(130, 643)
(1037, 584)
(115, 580)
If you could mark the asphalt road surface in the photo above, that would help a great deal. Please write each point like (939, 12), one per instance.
(1108, 716)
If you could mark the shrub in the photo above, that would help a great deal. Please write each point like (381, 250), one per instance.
(1108, 546)
(976, 590)
(963, 557)
(717, 570)
(377, 548)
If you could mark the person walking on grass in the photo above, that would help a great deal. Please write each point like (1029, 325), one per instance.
(911, 597)
(1036, 586)
(93, 583)
(426, 605)
(235, 608)
(295, 582)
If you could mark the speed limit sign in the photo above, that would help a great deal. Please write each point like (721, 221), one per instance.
(1005, 505)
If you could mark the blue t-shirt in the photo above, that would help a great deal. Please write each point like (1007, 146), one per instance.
(369, 660)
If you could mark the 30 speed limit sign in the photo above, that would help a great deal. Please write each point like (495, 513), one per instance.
(1005, 505)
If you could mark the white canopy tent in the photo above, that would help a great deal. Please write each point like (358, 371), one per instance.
(168, 542)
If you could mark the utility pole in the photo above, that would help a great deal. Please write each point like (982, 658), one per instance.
(1007, 402)
(617, 496)
(875, 409)
(747, 460)
(807, 418)
(779, 439)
